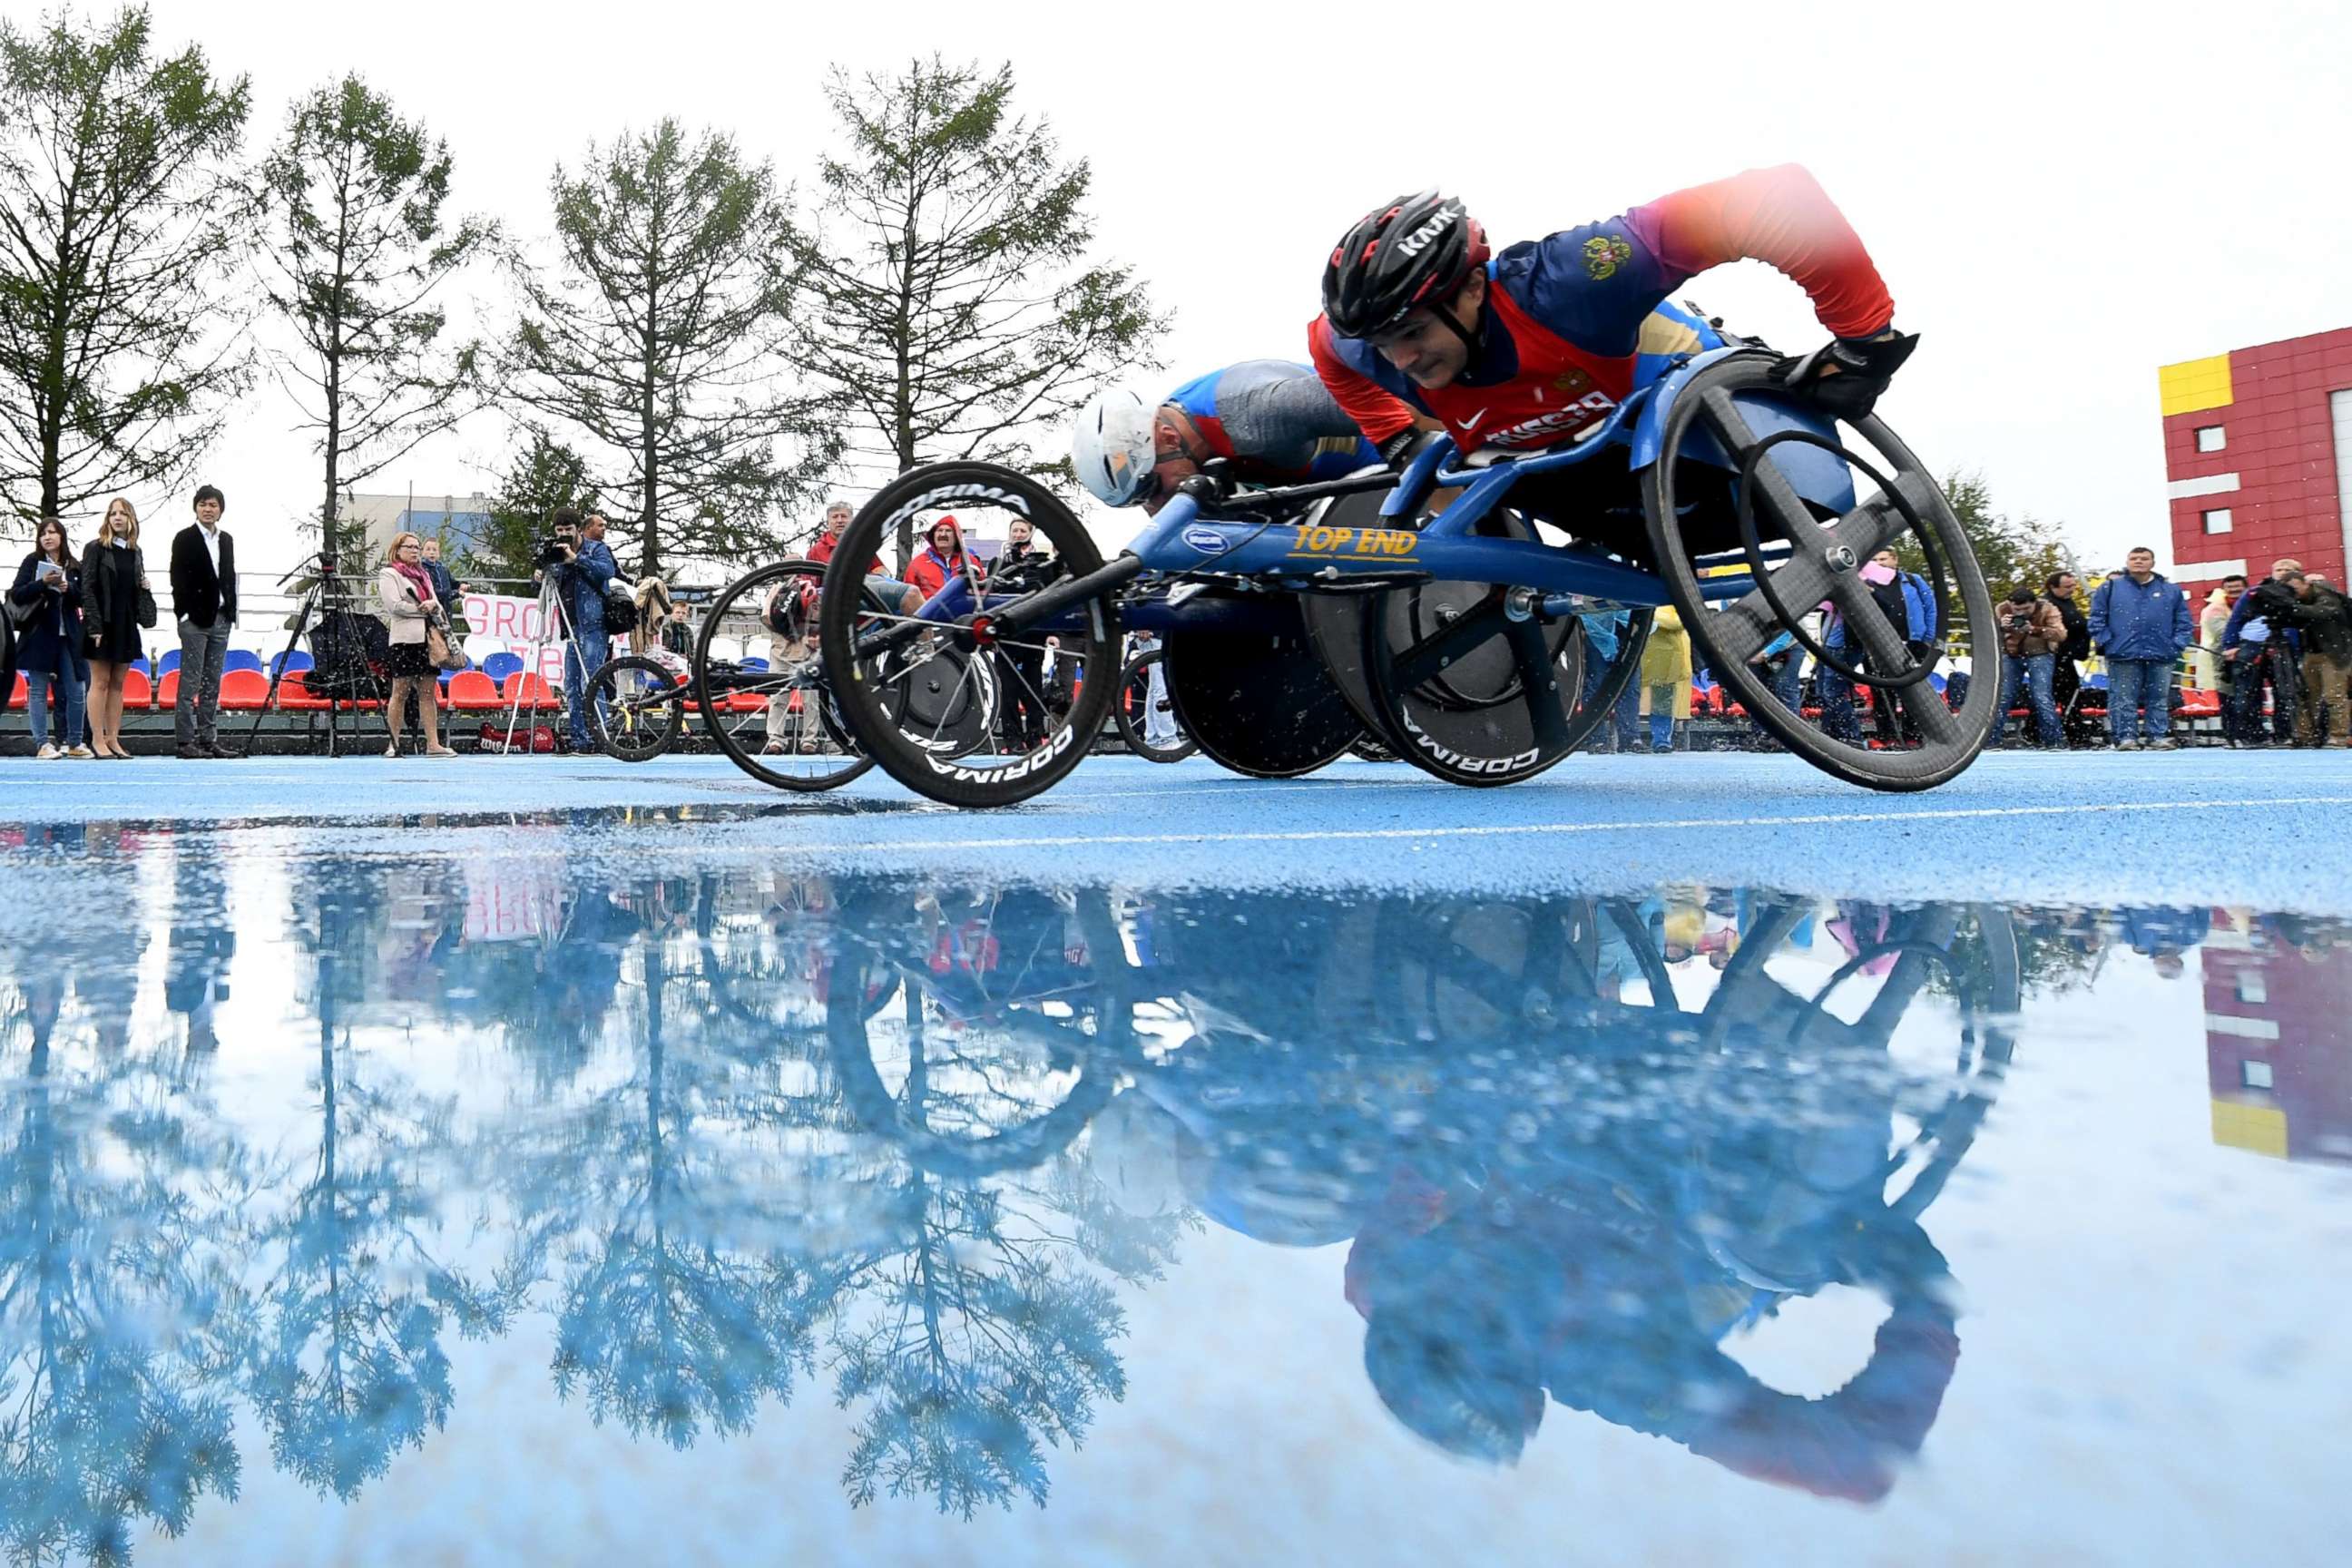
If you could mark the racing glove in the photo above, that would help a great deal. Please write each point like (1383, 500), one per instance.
(1845, 376)
(1400, 449)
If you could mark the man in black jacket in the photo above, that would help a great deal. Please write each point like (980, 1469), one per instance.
(204, 601)
(2065, 679)
(1020, 568)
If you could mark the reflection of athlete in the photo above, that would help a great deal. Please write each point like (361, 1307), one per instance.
(1270, 420)
(1521, 350)
(1478, 1305)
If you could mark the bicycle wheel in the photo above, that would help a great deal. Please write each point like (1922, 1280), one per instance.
(636, 708)
(1134, 713)
(888, 656)
(805, 746)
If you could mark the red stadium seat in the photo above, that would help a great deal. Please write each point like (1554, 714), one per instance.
(472, 690)
(534, 691)
(16, 694)
(243, 691)
(168, 694)
(137, 689)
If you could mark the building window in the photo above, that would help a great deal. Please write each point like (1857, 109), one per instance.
(2252, 987)
(2257, 1075)
(2217, 521)
(2209, 438)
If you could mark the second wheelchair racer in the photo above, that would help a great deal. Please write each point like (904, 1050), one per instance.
(1271, 421)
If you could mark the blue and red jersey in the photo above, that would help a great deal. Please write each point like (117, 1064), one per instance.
(1576, 322)
(1273, 421)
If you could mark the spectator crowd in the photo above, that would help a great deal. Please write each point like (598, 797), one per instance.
(2266, 663)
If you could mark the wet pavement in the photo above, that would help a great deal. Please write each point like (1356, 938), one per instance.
(1173, 1178)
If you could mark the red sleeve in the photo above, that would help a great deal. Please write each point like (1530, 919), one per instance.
(1783, 217)
(1378, 412)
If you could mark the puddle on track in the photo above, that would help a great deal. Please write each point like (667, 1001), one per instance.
(361, 1208)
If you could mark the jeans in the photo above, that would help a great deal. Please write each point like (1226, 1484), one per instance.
(196, 717)
(2132, 682)
(37, 685)
(1624, 724)
(2033, 672)
(1661, 718)
(2255, 663)
(582, 657)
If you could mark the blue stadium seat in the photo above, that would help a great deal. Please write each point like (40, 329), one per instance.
(167, 664)
(241, 659)
(499, 666)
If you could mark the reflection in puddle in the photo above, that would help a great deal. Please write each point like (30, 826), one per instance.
(706, 1145)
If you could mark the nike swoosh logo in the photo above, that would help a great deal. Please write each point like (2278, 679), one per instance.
(1466, 424)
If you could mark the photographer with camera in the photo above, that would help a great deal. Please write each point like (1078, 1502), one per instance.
(2032, 633)
(581, 564)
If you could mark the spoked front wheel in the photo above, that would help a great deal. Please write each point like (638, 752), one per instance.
(1759, 503)
(1144, 711)
(1061, 671)
(762, 684)
(637, 708)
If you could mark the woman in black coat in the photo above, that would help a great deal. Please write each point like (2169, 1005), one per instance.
(114, 579)
(49, 639)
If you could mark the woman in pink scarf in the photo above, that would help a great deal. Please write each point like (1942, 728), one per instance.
(409, 606)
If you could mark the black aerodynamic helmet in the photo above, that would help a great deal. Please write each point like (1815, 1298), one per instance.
(1414, 250)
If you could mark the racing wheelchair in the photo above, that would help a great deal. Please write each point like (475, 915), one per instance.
(1477, 616)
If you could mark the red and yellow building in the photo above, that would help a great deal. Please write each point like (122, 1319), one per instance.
(2258, 453)
(2276, 1063)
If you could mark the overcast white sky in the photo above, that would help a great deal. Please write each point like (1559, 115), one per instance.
(2062, 196)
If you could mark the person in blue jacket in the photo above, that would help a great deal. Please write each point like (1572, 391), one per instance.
(588, 569)
(2140, 623)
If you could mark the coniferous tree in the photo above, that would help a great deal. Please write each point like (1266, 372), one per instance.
(659, 339)
(358, 247)
(959, 312)
(121, 214)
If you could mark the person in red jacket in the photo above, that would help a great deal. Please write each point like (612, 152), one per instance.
(942, 557)
(1426, 328)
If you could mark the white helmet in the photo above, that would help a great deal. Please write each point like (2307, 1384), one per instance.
(1111, 446)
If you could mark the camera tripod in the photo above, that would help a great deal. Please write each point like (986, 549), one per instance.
(323, 587)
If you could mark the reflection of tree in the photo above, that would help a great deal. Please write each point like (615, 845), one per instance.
(982, 1337)
(102, 1426)
(668, 1322)
(343, 1358)
(978, 1324)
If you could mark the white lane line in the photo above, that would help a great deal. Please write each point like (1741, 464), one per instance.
(1356, 835)
(638, 842)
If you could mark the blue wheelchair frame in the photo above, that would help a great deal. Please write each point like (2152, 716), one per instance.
(1185, 540)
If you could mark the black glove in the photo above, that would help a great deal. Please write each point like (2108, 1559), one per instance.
(1400, 449)
(1845, 376)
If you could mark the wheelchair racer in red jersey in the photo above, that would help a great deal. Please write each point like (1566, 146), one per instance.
(1271, 420)
(1424, 328)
